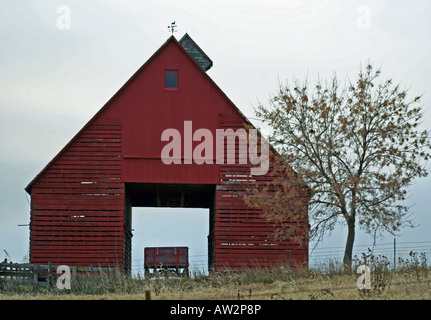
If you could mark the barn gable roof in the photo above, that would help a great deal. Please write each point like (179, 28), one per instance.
(188, 43)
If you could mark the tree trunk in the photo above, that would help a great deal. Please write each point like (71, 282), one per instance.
(347, 261)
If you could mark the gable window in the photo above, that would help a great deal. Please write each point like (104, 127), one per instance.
(171, 78)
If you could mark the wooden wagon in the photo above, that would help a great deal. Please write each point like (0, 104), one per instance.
(166, 260)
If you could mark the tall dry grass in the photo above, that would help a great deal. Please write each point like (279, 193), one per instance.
(411, 281)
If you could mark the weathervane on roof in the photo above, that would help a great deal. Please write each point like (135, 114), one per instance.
(172, 27)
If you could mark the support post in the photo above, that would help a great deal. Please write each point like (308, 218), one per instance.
(73, 275)
(48, 277)
(395, 253)
(147, 295)
(35, 277)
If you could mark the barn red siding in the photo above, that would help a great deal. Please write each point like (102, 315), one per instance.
(243, 238)
(77, 208)
(80, 211)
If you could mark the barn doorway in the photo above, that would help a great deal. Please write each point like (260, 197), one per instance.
(169, 215)
(170, 227)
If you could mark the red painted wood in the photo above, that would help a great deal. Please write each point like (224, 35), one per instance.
(166, 256)
(78, 202)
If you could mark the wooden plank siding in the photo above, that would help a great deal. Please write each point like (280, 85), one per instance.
(78, 203)
(243, 238)
(80, 210)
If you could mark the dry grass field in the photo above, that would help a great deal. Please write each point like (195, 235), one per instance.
(410, 282)
(304, 288)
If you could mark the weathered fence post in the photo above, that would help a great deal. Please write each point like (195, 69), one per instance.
(35, 277)
(48, 277)
(74, 271)
(395, 254)
(147, 295)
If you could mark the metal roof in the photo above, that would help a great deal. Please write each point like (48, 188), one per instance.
(196, 52)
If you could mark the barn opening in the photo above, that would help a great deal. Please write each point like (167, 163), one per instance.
(169, 215)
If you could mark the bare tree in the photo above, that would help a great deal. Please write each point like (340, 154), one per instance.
(358, 149)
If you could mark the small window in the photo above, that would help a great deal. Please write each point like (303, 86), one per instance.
(171, 78)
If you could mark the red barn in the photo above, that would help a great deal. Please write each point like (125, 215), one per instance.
(81, 201)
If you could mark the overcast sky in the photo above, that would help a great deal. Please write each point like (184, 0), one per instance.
(54, 76)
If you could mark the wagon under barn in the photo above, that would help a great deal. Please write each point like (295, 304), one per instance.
(166, 260)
